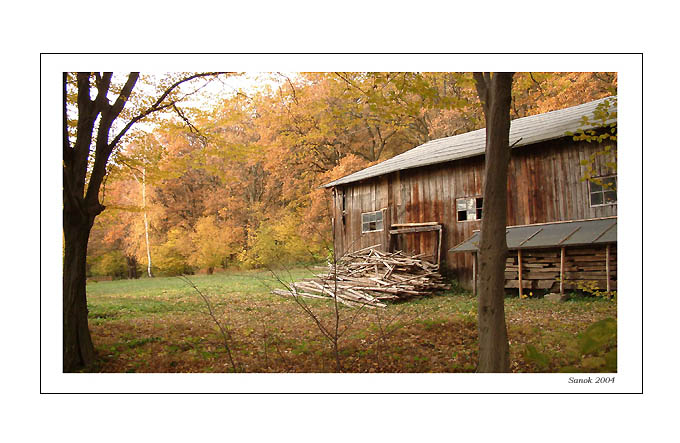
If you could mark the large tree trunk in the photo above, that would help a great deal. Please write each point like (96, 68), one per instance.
(81, 203)
(78, 349)
(494, 353)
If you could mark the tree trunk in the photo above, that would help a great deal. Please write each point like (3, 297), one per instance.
(81, 206)
(78, 349)
(494, 353)
(132, 267)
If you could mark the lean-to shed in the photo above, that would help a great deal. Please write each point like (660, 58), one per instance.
(556, 256)
(430, 199)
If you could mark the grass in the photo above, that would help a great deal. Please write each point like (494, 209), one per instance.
(162, 325)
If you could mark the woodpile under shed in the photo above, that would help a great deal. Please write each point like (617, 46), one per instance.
(560, 255)
(541, 269)
(369, 277)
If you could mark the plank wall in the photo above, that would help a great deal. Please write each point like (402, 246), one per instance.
(544, 185)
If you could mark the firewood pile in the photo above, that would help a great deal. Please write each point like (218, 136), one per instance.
(368, 277)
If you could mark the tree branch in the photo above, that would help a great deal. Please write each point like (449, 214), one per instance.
(482, 89)
(158, 106)
(103, 85)
(531, 75)
(186, 120)
(87, 114)
(124, 95)
(67, 144)
(351, 83)
(105, 148)
(292, 88)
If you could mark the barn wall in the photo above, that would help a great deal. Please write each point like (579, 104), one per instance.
(544, 184)
(362, 197)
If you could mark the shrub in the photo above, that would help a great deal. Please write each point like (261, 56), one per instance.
(111, 264)
(171, 258)
(591, 288)
(212, 242)
(280, 243)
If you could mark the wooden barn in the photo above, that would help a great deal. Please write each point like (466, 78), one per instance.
(429, 200)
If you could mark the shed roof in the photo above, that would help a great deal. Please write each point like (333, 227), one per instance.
(528, 130)
(557, 234)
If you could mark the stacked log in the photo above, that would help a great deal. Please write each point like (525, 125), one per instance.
(541, 268)
(369, 277)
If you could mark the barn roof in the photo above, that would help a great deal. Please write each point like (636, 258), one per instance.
(546, 235)
(527, 130)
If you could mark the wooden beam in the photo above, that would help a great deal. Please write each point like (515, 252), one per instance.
(519, 271)
(367, 248)
(439, 248)
(607, 266)
(415, 229)
(559, 222)
(409, 225)
(387, 238)
(474, 274)
(562, 254)
(603, 232)
(568, 235)
(528, 238)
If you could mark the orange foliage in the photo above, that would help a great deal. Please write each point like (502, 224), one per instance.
(246, 190)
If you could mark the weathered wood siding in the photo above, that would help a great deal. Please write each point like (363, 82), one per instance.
(544, 184)
(362, 197)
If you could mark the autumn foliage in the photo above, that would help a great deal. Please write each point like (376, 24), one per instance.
(240, 187)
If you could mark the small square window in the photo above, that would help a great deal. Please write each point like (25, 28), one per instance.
(596, 198)
(372, 221)
(609, 183)
(469, 208)
(602, 191)
(609, 197)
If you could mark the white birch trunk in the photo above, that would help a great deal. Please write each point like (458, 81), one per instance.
(146, 223)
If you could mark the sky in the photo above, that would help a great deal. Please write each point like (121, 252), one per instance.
(222, 88)
(248, 83)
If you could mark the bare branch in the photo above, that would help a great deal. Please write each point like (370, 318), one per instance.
(186, 120)
(531, 75)
(292, 88)
(158, 104)
(211, 312)
(350, 83)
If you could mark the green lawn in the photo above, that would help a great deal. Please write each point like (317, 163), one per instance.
(162, 325)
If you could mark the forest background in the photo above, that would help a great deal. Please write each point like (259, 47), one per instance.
(237, 184)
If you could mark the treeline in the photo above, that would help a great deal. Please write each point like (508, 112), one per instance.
(238, 186)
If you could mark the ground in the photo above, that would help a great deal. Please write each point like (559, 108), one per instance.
(163, 325)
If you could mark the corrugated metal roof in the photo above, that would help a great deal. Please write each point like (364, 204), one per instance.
(546, 235)
(527, 130)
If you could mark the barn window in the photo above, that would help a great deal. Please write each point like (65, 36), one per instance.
(603, 191)
(469, 208)
(371, 221)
